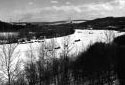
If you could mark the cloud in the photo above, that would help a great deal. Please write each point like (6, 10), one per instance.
(120, 3)
(115, 4)
(86, 11)
(108, 6)
(68, 3)
(30, 3)
(26, 17)
(54, 2)
(67, 8)
(115, 7)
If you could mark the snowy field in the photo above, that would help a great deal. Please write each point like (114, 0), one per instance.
(76, 43)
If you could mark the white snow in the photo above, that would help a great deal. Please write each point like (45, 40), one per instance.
(86, 37)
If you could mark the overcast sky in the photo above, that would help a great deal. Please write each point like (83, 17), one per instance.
(54, 10)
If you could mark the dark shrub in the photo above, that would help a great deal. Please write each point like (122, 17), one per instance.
(99, 58)
(120, 41)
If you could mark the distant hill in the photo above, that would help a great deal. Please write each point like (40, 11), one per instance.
(49, 23)
(4, 26)
(105, 23)
(8, 27)
(115, 23)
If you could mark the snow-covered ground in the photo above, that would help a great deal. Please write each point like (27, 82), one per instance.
(77, 42)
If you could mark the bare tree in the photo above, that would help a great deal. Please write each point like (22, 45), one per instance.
(54, 60)
(52, 46)
(31, 74)
(9, 62)
(30, 54)
(109, 35)
(30, 66)
(64, 61)
(42, 64)
(36, 70)
(67, 46)
(48, 68)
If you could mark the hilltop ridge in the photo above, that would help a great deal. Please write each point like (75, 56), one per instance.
(115, 23)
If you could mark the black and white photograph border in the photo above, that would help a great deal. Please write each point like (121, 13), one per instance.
(62, 42)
